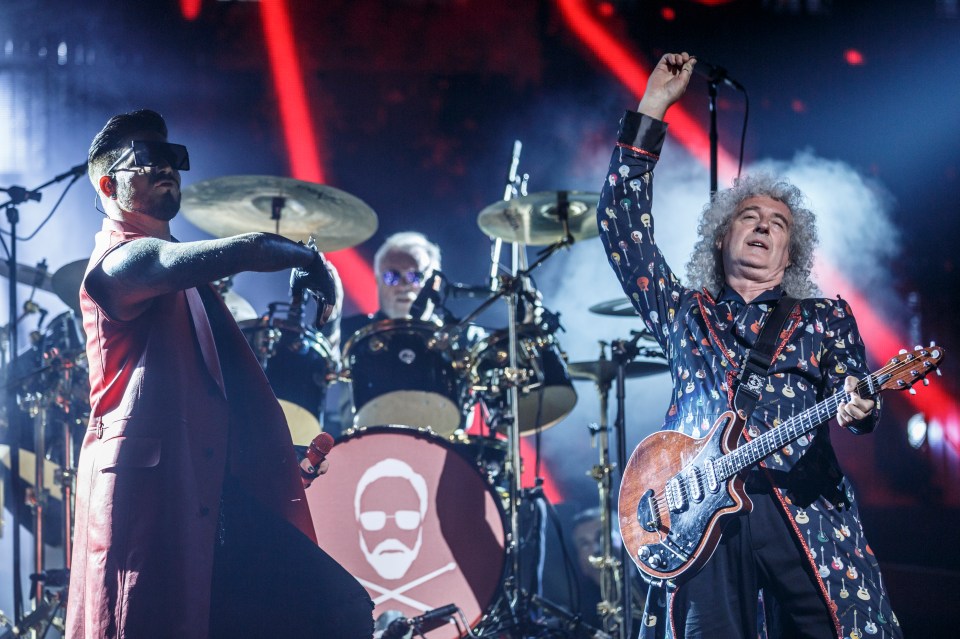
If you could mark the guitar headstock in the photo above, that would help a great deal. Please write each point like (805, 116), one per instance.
(909, 367)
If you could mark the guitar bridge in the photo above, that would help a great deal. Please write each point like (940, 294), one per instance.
(648, 513)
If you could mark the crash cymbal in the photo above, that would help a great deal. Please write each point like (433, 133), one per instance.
(237, 204)
(621, 307)
(605, 370)
(66, 283)
(241, 309)
(534, 219)
(36, 276)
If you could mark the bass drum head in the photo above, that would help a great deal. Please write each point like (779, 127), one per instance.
(413, 521)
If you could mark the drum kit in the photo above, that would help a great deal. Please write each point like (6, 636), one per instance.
(449, 529)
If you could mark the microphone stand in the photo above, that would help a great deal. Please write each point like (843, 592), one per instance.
(714, 140)
(623, 352)
(19, 195)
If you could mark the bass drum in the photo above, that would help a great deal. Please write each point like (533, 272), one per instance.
(413, 521)
(548, 395)
(401, 374)
(298, 362)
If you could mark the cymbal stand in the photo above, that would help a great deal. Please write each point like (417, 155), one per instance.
(623, 352)
(611, 582)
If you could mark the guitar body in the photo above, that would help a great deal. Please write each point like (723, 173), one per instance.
(665, 543)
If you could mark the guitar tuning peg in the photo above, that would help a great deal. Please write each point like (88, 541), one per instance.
(933, 343)
(903, 351)
(918, 348)
(912, 391)
(939, 374)
(926, 382)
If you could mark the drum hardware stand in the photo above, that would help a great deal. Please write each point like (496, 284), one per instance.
(609, 608)
(623, 352)
(19, 195)
(513, 287)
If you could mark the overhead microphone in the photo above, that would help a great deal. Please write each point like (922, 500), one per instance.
(715, 73)
(429, 293)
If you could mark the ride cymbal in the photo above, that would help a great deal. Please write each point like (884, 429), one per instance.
(620, 307)
(535, 219)
(67, 281)
(36, 276)
(605, 370)
(295, 209)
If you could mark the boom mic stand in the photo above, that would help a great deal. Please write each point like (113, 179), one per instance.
(19, 195)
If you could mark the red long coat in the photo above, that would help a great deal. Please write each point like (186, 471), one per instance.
(151, 470)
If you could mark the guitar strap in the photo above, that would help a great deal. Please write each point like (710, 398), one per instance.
(757, 360)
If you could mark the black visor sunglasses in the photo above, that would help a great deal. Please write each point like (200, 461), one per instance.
(152, 153)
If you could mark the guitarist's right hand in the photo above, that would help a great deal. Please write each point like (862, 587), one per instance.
(667, 83)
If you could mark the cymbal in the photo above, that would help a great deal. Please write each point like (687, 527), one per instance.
(235, 204)
(67, 281)
(605, 370)
(240, 308)
(36, 276)
(534, 219)
(620, 307)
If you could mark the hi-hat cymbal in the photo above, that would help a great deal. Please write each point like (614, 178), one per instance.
(36, 276)
(620, 307)
(535, 219)
(238, 204)
(605, 370)
(66, 283)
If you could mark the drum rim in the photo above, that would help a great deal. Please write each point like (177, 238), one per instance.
(384, 325)
(429, 435)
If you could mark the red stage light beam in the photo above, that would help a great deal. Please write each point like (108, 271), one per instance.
(633, 74)
(190, 9)
(303, 144)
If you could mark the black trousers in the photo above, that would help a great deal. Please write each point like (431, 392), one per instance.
(757, 552)
(269, 580)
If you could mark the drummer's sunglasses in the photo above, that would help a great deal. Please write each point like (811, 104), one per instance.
(153, 153)
(395, 278)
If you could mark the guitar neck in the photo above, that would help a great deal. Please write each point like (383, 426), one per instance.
(792, 429)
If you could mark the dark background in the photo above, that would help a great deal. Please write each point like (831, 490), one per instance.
(416, 104)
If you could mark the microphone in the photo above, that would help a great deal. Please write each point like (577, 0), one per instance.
(429, 293)
(430, 620)
(456, 289)
(716, 73)
(433, 619)
(317, 451)
(74, 171)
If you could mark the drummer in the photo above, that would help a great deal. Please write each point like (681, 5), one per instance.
(402, 264)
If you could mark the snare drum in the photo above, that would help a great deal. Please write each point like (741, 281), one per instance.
(400, 373)
(298, 362)
(413, 521)
(546, 397)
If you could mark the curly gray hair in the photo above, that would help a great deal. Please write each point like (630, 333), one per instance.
(705, 268)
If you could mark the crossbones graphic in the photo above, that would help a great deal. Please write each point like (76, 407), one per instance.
(397, 593)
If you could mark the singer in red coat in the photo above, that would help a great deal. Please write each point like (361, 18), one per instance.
(190, 514)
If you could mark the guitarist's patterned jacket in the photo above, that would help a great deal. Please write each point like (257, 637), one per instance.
(704, 339)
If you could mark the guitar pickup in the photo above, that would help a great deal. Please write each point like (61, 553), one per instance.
(648, 513)
(676, 493)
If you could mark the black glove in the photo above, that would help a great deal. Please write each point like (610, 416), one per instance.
(318, 279)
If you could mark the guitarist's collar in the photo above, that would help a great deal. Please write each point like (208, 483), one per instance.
(728, 294)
